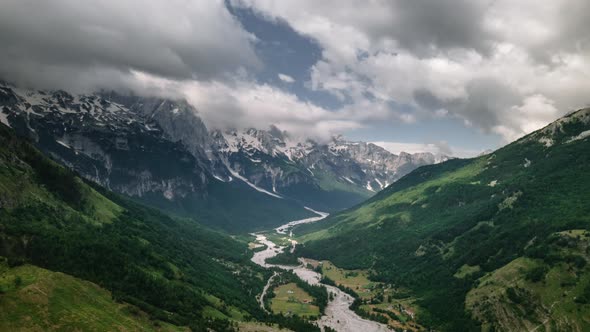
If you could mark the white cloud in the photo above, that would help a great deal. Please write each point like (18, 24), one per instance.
(506, 67)
(286, 78)
(243, 103)
(493, 64)
(97, 43)
(535, 112)
(434, 148)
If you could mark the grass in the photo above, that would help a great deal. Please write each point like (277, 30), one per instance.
(259, 327)
(370, 292)
(104, 210)
(466, 270)
(35, 299)
(278, 239)
(429, 231)
(19, 185)
(254, 246)
(402, 322)
(357, 280)
(327, 182)
(376, 210)
(292, 300)
(218, 309)
(549, 302)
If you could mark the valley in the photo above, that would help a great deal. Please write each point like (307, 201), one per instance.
(338, 314)
(294, 166)
(495, 242)
(403, 260)
(159, 152)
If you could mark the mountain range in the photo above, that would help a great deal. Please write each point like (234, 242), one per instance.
(493, 243)
(500, 242)
(75, 256)
(160, 152)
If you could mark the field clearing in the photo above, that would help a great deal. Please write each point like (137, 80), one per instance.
(253, 245)
(280, 240)
(290, 299)
(397, 317)
(259, 327)
(357, 280)
(381, 300)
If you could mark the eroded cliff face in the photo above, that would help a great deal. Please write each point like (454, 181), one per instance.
(161, 149)
(107, 142)
(275, 161)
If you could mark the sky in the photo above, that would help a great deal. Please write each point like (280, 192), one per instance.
(444, 76)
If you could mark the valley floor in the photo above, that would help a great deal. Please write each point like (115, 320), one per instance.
(338, 314)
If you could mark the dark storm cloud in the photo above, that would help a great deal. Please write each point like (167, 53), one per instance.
(570, 33)
(485, 99)
(427, 100)
(73, 43)
(427, 26)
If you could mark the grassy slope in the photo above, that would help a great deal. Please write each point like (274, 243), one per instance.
(35, 299)
(233, 207)
(219, 205)
(290, 299)
(255, 211)
(530, 293)
(167, 267)
(484, 212)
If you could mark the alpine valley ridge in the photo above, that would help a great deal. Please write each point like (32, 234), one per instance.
(160, 152)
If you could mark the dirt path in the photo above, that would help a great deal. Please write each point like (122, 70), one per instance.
(261, 297)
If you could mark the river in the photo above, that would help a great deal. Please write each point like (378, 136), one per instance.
(337, 314)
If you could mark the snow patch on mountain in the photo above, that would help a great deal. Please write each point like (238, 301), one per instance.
(379, 182)
(582, 135)
(238, 176)
(348, 179)
(270, 161)
(557, 129)
(548, 142)
(275, 161)
(4, 118)
(63, 144)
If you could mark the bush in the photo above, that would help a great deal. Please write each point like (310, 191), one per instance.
(18, 281)
(536, 274)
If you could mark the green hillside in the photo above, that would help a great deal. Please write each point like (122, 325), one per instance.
(452, 234)
(174, 270)
(35, 299)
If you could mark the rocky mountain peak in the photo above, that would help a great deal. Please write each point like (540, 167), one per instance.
(119, 141)
(572, 127)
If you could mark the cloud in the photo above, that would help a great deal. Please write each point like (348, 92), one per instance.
(95, 44)
(191, 49)
(485, 62)
(548, 29)
(242, 103)
(505, 67)
(286, 78)
(424, 27)
(437, 148)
